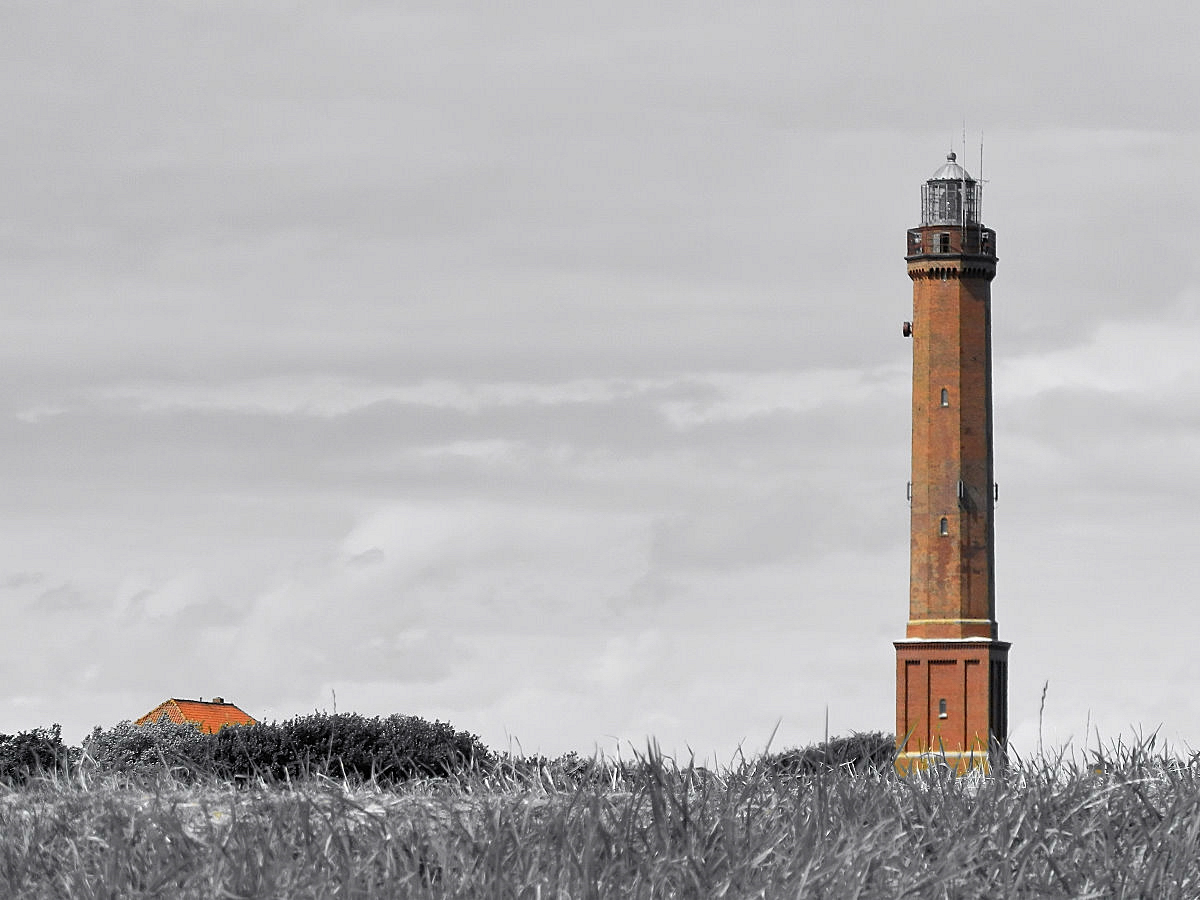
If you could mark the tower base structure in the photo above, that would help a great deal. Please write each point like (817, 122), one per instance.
(951, 704)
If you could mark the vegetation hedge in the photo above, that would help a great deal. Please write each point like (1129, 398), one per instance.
(347, 745)
(385, 751)
(148, 750)
(565, 772)
(344, 745)
(859, 753)
(30, 753)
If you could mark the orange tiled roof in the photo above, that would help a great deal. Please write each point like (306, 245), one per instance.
(209, 715)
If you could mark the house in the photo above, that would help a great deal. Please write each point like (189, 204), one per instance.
(210, 716)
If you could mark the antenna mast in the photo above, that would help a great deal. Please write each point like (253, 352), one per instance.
(962, 194)
(980, 201)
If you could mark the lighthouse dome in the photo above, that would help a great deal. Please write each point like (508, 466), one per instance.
(951, 171)
(951, 196)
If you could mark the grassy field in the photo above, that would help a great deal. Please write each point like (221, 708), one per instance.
(1123, 826)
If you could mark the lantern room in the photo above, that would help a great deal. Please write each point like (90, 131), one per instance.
(951, 196)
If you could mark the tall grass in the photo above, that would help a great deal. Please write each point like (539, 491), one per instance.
(1122, 823)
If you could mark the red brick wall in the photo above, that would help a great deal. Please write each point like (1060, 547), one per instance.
(952, 580)
(965, 675)
(951, 588)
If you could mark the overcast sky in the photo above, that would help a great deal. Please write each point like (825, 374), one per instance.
(537, 366)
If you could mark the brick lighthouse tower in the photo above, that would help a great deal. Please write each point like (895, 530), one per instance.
(951, 670)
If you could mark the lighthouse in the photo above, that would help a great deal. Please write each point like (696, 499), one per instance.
(951, 667)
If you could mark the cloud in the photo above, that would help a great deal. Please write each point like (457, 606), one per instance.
(21, 579)
(736, 397)
(539, 367)
(1130, 355)
(329, 396)
(35, 414)
(685, 400)
(62, 599)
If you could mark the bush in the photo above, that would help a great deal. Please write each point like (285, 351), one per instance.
(28, 754)
(350, 746)
(860, 752)
(149, 750)
(347, 745)
(567, 771)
